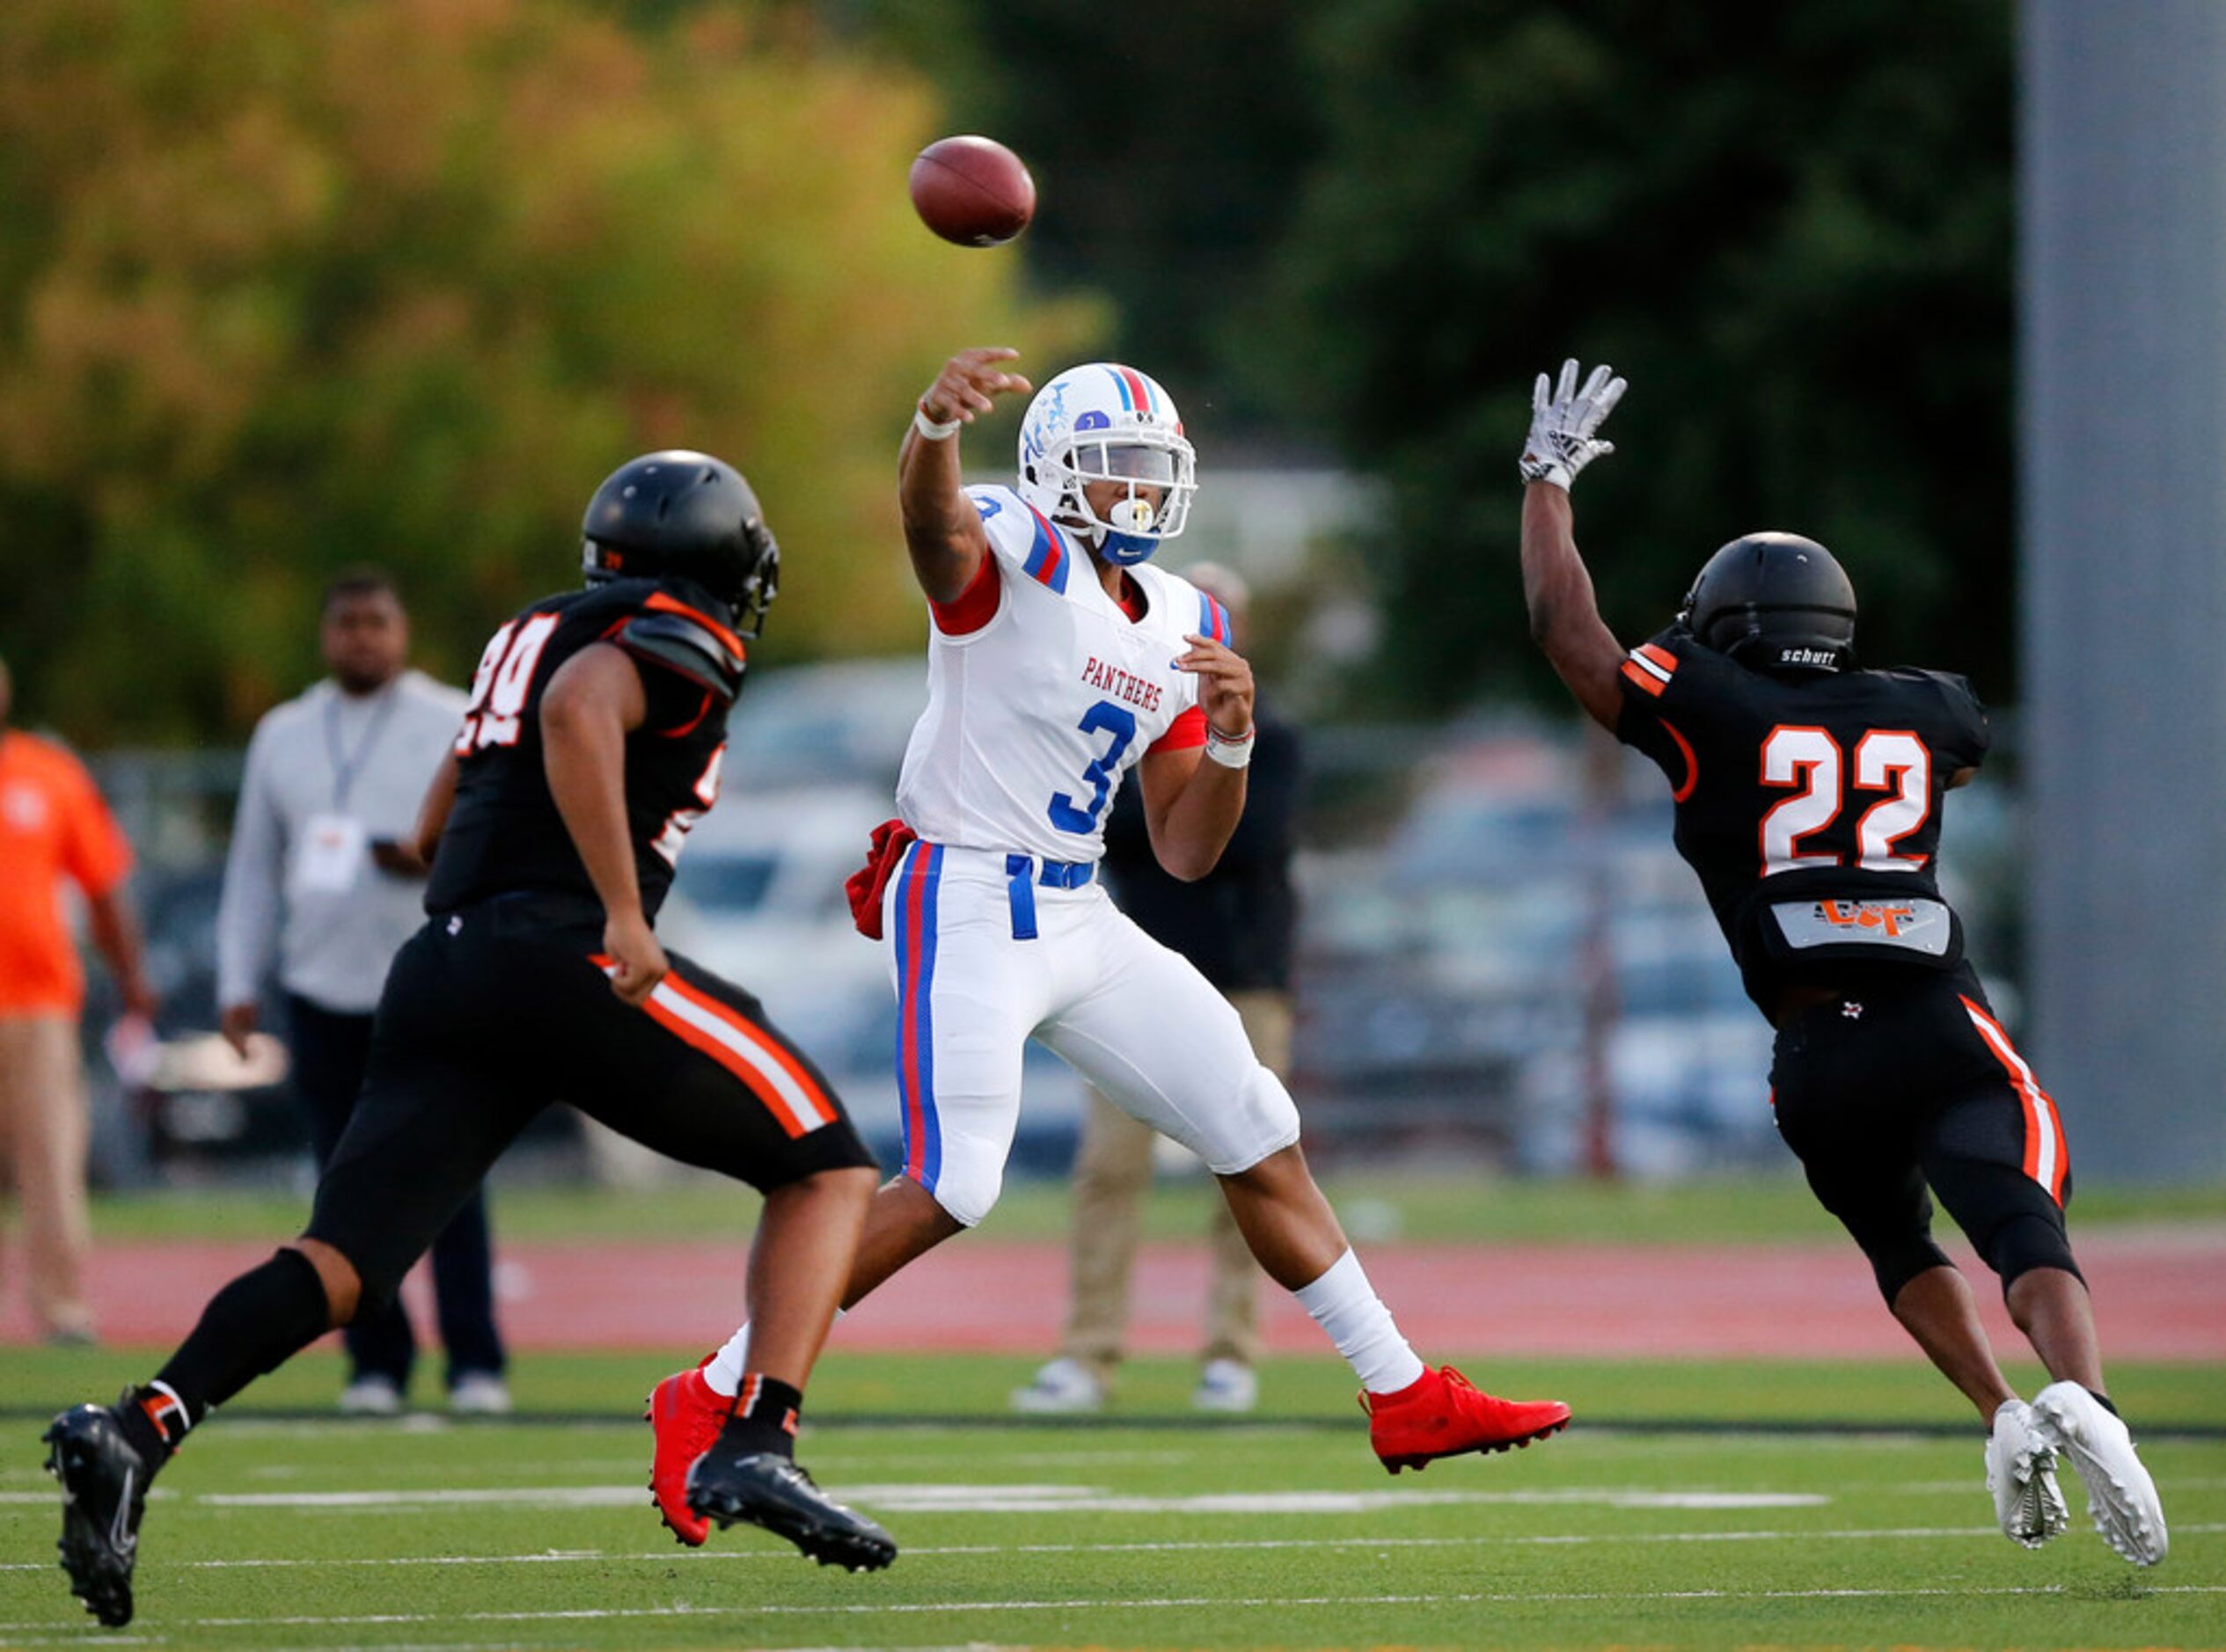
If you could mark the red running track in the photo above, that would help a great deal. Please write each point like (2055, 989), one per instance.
(2160, 1294)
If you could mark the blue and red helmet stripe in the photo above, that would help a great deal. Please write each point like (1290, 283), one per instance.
(1139, 394)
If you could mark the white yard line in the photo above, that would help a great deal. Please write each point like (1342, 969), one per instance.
(510, 1646)
(1186, 1602)
(575, 1557)
(914, 1497)
(2175, 1485)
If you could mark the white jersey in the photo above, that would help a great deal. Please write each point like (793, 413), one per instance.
(1035, 711)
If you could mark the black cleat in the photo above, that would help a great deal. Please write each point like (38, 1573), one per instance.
(103, 1493)
(761, 1488)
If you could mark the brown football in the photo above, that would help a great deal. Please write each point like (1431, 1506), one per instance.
(972, 190)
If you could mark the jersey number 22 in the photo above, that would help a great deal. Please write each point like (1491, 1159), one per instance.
(1890, 760)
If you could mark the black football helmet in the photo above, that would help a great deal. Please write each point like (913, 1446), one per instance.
(1775, 601)
(684, 514)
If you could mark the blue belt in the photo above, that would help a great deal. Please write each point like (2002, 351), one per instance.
(1023, 873)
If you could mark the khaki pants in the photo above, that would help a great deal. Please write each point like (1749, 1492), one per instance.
(1112, 1173)
(44, 1129)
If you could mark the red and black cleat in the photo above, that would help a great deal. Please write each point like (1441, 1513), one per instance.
(1442, 1414)
(685, 1414)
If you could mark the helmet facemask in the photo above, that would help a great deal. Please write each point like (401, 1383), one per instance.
(754, 594)
(1141, 463)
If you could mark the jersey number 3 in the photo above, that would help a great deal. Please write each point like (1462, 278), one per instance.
(1809, 762)
(1118, 721)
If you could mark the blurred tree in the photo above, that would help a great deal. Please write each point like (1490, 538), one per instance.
(1169, 141)
(1792, 230)
(288, 284)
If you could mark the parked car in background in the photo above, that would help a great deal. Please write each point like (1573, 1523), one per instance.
(845, 722)
(1445, 976)
(1488, 879)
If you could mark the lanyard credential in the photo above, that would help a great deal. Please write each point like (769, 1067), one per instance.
(347, 764)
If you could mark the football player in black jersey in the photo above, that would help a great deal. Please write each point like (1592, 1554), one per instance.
(1808, 799)
(591, 743)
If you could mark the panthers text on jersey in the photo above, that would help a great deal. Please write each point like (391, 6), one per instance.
(1810, 806)
(505, 833)
(1043, 692)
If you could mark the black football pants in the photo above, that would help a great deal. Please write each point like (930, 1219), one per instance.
(491, 1013)
(330, 1050)
(1908, 1081)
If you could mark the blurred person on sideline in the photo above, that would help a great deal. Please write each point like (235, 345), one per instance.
(321, 884)
(1809, 797)
(1234, 923)
(54, 825)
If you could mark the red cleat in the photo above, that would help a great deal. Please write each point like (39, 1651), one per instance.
(1442, 1414)
(685, 1413)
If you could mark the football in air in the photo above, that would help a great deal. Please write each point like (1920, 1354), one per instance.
(972, 190)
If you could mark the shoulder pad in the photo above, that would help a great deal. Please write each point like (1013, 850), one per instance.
(696, 646)
(1024, 537)
(1969, 712)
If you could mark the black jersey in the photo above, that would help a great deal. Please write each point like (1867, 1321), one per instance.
(504, 833)
(1809, 806)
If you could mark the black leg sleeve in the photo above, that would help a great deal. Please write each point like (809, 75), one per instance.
(253, 1326)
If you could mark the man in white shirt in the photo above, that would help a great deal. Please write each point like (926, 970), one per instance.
(321, 886)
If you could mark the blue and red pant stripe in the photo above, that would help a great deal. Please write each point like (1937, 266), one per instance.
(916, 900)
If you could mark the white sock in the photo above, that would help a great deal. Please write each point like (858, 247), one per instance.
(724, 1373)
(731, 1363)
(1346, 1305)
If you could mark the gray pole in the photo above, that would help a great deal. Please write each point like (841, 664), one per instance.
(2122, 265)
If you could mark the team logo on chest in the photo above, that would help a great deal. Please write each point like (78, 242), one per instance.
(1108, 678)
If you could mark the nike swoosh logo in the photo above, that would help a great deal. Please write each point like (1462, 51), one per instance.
(121, 1537)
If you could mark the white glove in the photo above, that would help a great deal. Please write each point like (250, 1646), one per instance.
(1562, 419)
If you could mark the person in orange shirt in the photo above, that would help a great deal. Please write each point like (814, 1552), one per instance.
(53, 824)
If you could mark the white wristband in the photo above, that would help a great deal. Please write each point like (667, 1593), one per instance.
(1230, 754)
(930, 430)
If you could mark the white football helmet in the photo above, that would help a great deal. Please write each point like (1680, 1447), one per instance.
(1104, 422)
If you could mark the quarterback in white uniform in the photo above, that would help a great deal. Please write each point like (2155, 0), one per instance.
(1060, 659)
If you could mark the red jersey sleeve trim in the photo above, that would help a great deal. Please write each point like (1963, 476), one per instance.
(1185, 733)
(972, 608)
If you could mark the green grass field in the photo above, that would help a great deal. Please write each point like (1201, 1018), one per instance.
(1651, 1523)
(1431, 1206)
